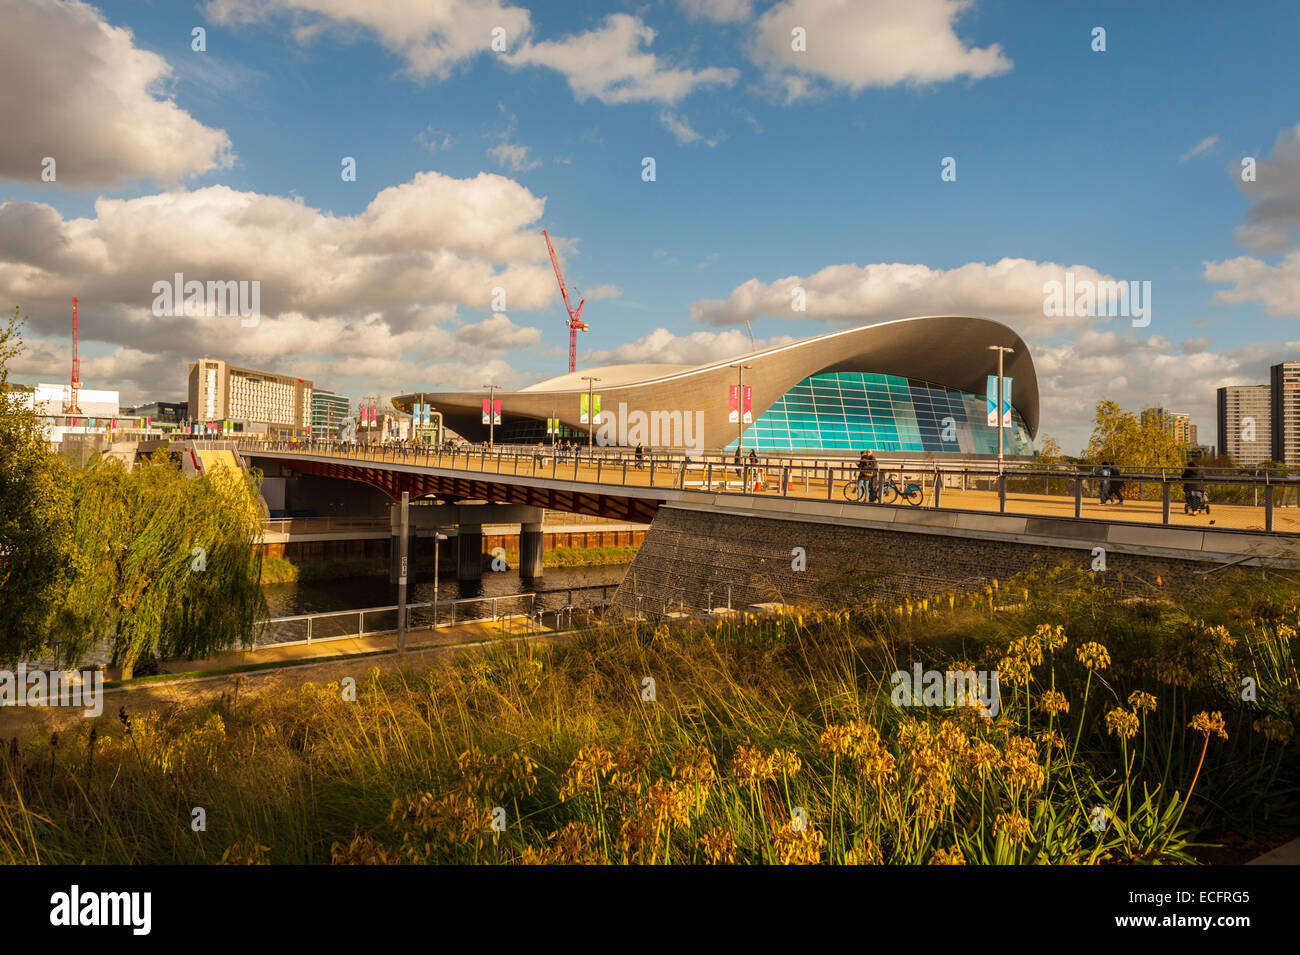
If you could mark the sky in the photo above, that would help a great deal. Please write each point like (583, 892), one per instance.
(889, 158)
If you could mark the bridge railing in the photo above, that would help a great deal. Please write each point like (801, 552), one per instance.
(1018, 487)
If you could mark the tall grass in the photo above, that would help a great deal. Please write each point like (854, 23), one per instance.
(1123, 737)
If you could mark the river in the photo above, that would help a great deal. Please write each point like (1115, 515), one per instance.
(354, 593)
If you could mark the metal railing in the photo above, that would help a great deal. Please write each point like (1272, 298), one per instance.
(1034, 486)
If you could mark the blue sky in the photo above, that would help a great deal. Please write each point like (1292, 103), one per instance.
(771, 165)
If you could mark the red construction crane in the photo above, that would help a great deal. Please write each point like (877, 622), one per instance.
(75, 383)
(575, 322)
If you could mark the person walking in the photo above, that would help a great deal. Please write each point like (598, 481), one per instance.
(1103, 486)
(1116, 486)
(640, 456)
(864, 476)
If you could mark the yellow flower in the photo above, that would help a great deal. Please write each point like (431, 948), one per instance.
(1013, 826)
(750, 766)
(1122, 723)
(1094, 656)
(1053, 702)
(1207, 723)
(799, 847)
(719, 847)
(951, 856)
(1142, 701)
(785, 762)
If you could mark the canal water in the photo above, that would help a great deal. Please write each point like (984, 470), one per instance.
(354, 593)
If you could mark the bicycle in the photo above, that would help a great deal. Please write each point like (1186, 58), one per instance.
(891, 492)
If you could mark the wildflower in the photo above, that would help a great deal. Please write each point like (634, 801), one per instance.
(719, 847)
(982, 756)
(575, 844)
(1209, 723)
(363, 850)
(1020, 764)
(1051, 637)
(1094, 656)
(1274, 729)
(1014, 671)
(1027, 649)
(1052, 740)
(951, 856)
(1141, 701)
(1122, 723)
(836, 740)
(590, 763)
(750, 766)
(694, 765)
(1014, 826)
(785, 762)
(865, 852)
(1053, 702)
(799, 846)
(250, 853)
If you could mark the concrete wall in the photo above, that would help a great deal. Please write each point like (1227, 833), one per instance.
(690, 552)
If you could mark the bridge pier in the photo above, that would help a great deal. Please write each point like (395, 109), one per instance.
(469, 519)
(469, 552)
(531, 545)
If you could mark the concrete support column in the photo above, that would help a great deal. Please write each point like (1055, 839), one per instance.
(469, 552)
(531, 545)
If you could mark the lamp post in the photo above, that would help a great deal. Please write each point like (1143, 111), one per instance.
(591, 408)
(437, 539)
(740, 406)
(403, 545)
(1001, 350)
(491, 412)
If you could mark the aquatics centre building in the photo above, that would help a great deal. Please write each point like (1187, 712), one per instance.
(907, 386)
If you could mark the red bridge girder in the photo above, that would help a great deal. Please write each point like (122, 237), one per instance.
(393, 481)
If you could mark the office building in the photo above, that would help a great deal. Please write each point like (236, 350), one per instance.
(251, 401)
(328, 412)
(1245, 423)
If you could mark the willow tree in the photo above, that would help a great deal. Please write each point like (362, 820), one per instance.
(169, 564)
(34, 531)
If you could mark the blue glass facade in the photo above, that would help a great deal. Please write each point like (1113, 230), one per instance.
(853, 411)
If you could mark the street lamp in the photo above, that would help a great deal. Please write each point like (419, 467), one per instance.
(591, 408)
(740, 408)
(437, 539)
(491, 413)
(1001, 350)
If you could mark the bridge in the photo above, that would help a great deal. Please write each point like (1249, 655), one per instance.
(717, 526)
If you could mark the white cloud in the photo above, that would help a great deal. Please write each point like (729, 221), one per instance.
(513, 156)
(664, 346)
(1009, 290)
(609, 64)
(74, 88)
(435, 139)
(1271, 227)
(857, 44)
(382, 286)
(681, 129)
(1209, 142)
(602, 291)
(717, 11)
(433, 37)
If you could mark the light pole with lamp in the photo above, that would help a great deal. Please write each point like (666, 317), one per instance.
(591, 408)
(740, 418)
(491, 413)
(1002, 351)
(437, 539)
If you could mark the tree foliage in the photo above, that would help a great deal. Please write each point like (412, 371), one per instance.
(34, 526)
(1133, 440)
(171, 563)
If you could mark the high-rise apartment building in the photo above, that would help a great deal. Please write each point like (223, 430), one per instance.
(328, 412)
(257, 401)
(1285, 407)
(1246, 423)
(1179, 424)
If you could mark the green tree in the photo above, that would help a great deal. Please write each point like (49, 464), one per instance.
(35, 562)
(1133, 440)
(172, 565)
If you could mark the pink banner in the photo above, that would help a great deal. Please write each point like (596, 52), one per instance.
(733, 399)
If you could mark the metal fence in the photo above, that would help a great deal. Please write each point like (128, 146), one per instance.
(1065, 487)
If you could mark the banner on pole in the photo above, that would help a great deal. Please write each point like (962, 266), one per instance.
(583, 408)
(747, 405)
(733, 404)
(992, 402)
(487, 403)
(595, 411)
(496, 411)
